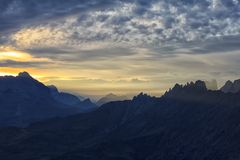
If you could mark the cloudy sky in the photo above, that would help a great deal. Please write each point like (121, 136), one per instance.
(125, 47)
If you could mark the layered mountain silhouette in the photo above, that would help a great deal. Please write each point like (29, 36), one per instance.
(188, 122)
(231, 87)
(24, 100)
(71, 100)
(110, 98)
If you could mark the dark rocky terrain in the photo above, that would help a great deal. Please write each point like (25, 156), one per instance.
(187, 123)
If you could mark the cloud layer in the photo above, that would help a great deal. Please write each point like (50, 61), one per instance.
(148, 39)
(95, 24)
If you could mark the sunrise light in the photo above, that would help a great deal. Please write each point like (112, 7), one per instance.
(14, 55)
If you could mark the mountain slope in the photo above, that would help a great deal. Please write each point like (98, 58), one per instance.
(188, 122)
(24, 100)
(71, 100)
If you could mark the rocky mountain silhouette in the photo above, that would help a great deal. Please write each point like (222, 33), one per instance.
(71, 100)
(231, 87)
(187, 122)
(24, 100)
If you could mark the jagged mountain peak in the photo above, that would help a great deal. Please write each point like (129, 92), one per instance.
(229, 82)
(142, 98)
(177, 86)
(24, 74)
(231, 87)
(198, 85)
(236, 81)
(141, 95)
(189, 90)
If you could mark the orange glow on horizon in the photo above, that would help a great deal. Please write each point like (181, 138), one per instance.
(14, 55)
(5, 71)
(7, 53)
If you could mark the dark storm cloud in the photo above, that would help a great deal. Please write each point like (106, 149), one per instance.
(15, 13)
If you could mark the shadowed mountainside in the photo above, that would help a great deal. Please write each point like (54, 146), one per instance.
(187, 122)
(24, 100)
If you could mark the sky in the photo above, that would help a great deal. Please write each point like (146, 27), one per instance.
(94, 47)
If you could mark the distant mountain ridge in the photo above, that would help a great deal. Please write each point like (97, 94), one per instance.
(109, 98)
(24, 100)
(70, 99)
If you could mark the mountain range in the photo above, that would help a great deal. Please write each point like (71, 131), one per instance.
(188, 122)
(24, 100)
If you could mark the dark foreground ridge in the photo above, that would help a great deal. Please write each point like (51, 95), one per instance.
(24, 100)
(187, 123)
